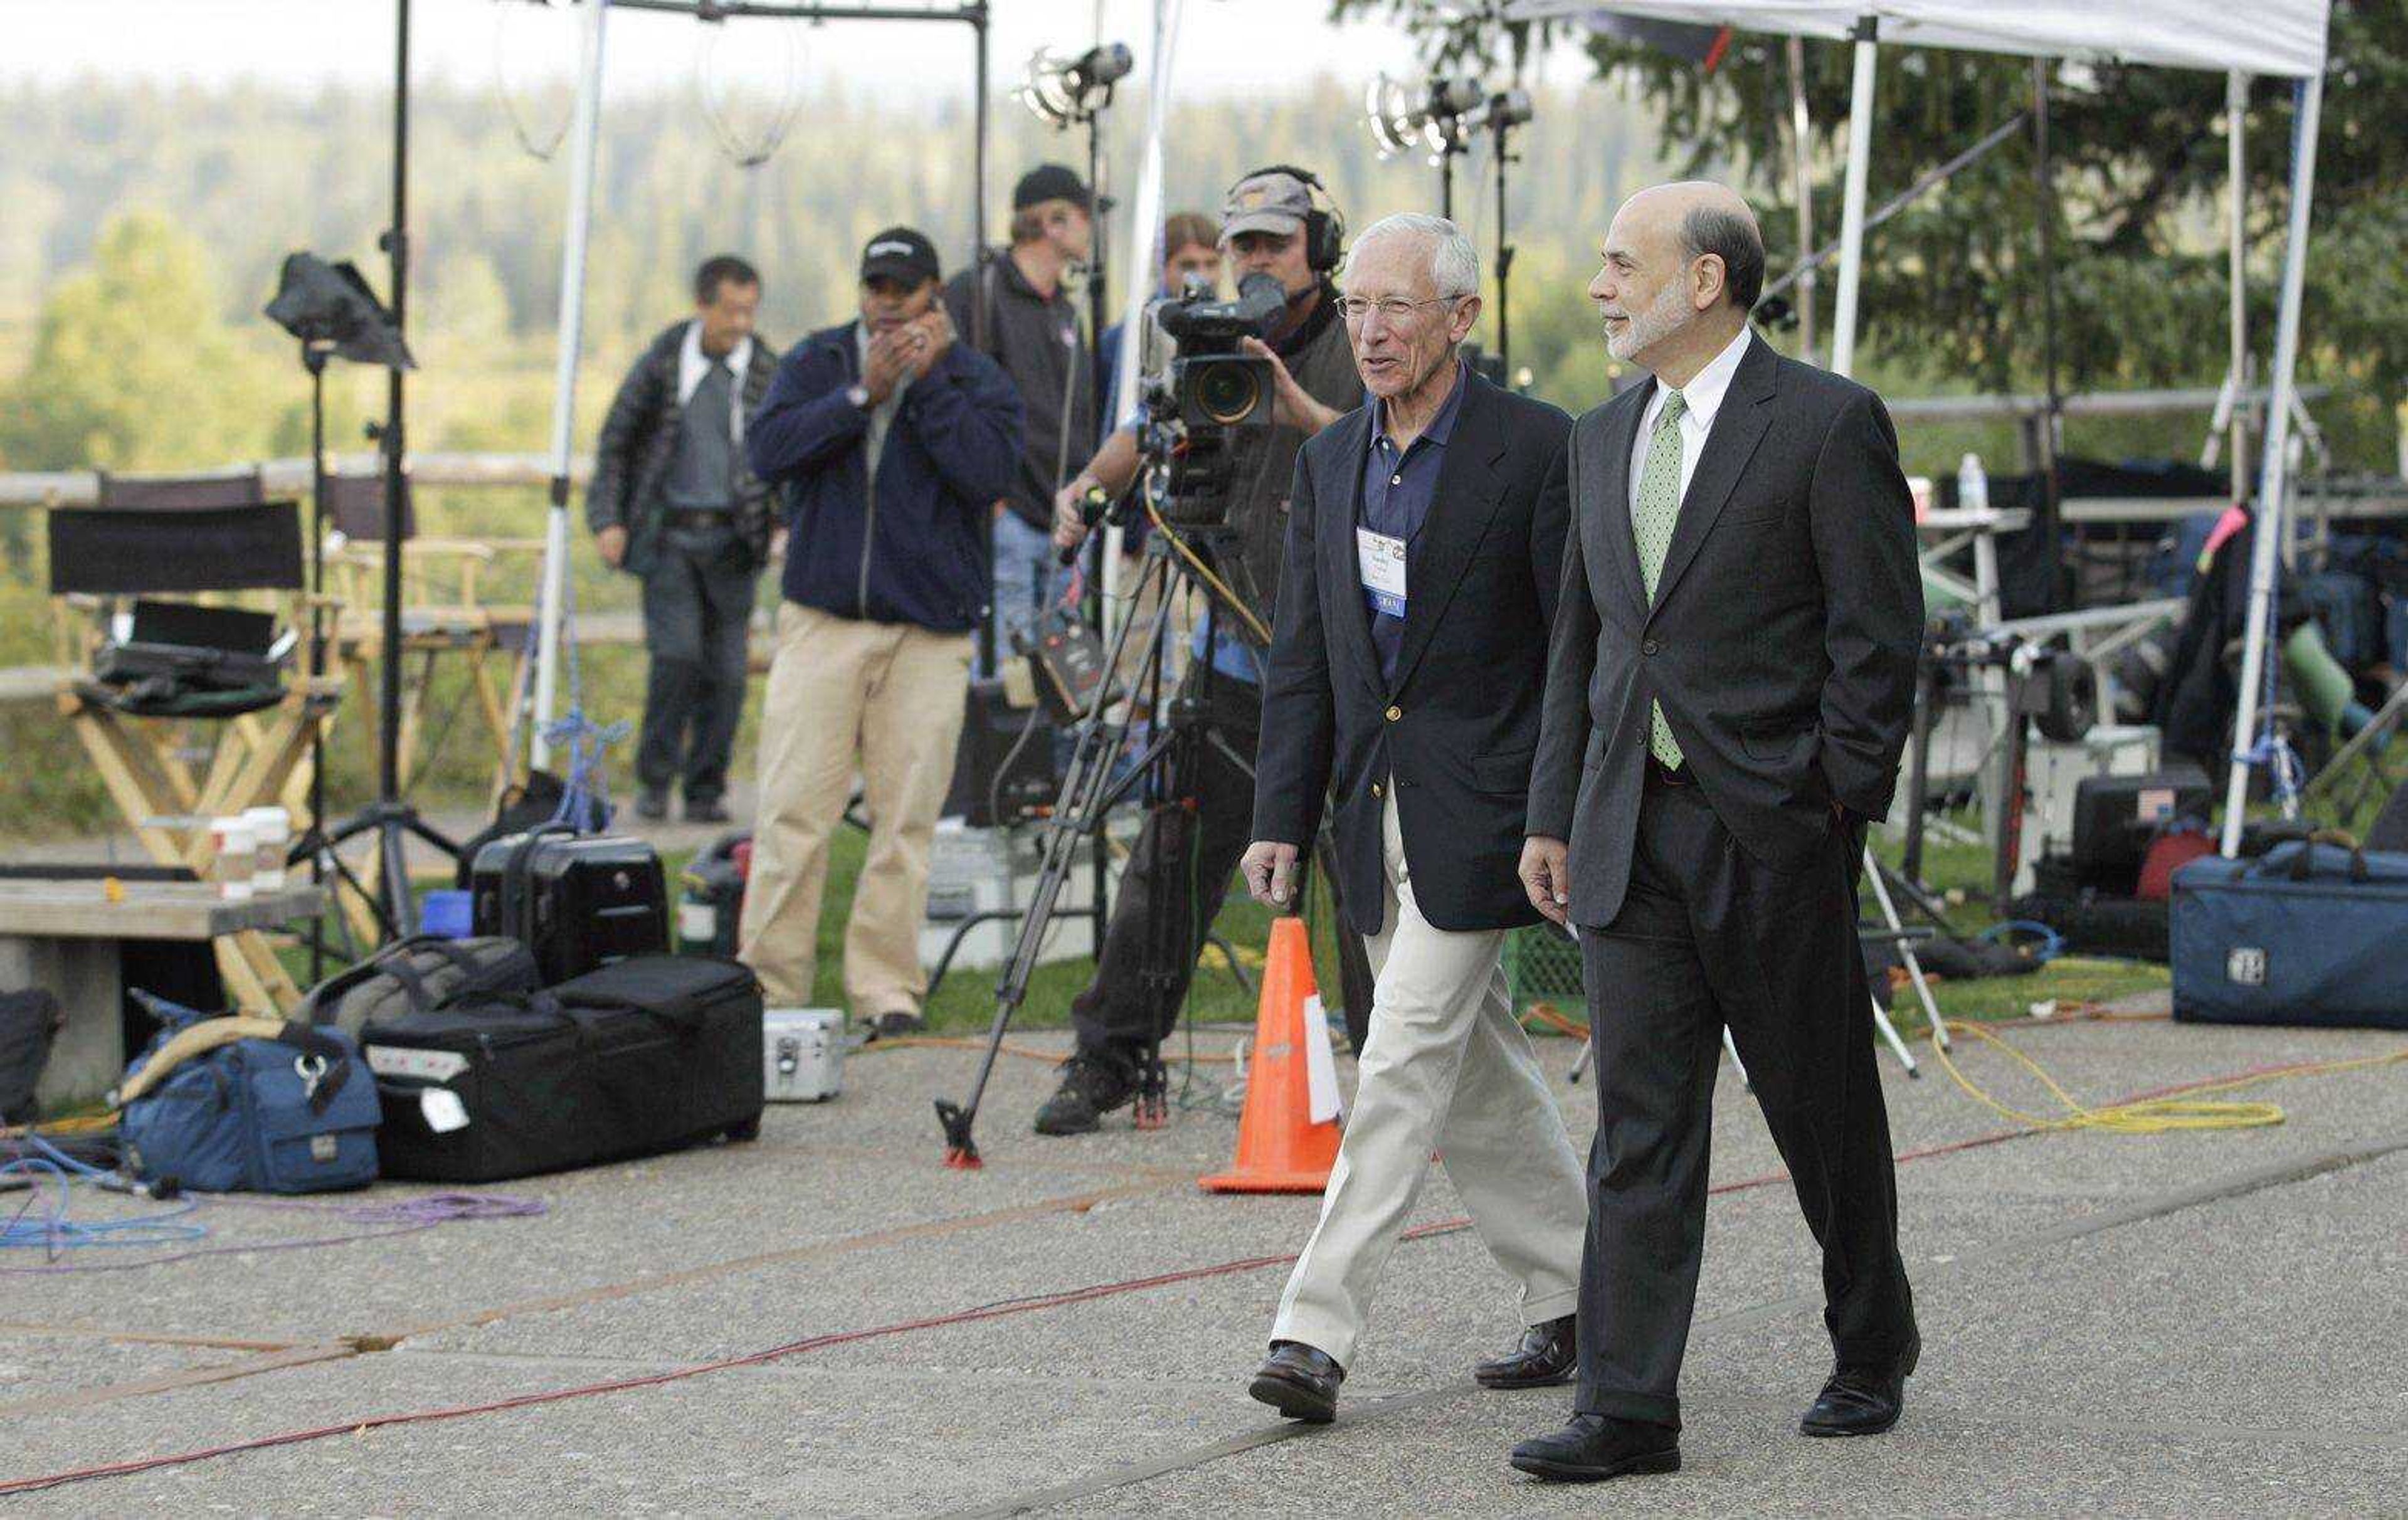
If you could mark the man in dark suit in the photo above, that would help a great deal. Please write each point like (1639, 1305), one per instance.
(1407, 674)
(1728, 687)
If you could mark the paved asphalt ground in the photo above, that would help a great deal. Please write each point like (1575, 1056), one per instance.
(2165, 1325)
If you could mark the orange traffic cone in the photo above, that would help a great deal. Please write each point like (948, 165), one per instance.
(1279, 1149)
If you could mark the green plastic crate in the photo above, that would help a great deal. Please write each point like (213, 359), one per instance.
(1542, 965)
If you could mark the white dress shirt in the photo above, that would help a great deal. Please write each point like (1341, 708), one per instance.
(1704, 395)
(693, 365)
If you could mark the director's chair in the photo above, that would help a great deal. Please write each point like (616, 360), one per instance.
(180, 749)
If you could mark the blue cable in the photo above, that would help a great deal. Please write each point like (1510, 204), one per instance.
(2047, 944)
(54, 1231)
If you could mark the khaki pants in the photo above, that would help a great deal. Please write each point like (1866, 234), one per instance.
(882, 699)
(1448, 1067)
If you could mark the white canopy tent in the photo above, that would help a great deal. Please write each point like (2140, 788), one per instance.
(2283, 38)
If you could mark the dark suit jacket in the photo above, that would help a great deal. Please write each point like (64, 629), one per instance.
(1456, 730)
(1782, 640)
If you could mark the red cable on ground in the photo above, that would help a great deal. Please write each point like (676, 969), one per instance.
(997, 1311)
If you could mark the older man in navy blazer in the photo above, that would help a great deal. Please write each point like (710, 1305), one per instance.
(1407, 676)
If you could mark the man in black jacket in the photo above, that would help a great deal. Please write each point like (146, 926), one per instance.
(1277, 220)
(1032, 331)
(1728, 687)
(1406, 678)
(891, 437)
(674, 504)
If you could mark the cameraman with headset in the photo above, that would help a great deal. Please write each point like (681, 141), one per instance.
(1281, 222)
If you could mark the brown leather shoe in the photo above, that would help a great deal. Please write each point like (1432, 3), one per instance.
(1543, 1359)
(1300, 1381)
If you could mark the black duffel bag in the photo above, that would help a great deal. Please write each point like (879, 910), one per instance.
(642, 1056)
(418, 975)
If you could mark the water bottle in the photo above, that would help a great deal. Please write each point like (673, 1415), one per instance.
(1972, 486)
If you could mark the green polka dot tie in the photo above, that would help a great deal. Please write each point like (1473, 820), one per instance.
(1651, 525)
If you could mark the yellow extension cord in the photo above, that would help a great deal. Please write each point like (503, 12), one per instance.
(2147, 1115)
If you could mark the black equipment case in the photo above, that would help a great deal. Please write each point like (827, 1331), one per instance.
(577, 903)
(2114, 818)
(192, 648)
(420, 974)
(647, 1055)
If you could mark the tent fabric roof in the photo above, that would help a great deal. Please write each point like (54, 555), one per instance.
(2278, 38)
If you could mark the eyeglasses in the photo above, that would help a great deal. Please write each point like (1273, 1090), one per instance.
(1391, 308)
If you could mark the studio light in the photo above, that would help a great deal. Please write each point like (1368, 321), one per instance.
(1060, 90)
(1404, 117)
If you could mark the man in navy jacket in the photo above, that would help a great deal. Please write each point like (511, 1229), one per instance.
(889, 440)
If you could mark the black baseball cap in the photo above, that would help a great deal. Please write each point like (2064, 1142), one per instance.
(901, 253)
(1051, 182)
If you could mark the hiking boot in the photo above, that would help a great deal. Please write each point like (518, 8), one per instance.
(1090, 1089)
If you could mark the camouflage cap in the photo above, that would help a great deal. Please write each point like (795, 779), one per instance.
(1272, 201)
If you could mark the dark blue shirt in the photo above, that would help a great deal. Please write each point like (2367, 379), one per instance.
(1397, 494)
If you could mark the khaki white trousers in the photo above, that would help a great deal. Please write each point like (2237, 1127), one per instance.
(1446, 1066)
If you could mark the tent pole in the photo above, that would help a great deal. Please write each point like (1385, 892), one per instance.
(2236, 169)
(2271, 526)
(2052, 429)
(1852, 212)
(1803, 170)
(1145, 264)
(585, 133)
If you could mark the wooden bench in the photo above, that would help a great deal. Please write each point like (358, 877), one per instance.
(64, 934)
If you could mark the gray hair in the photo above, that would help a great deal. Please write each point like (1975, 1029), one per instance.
(1454, 262)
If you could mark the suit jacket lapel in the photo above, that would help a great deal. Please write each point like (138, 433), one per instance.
(1739, 427)
(1340, 502)
(1612, 505)
(1469, 486)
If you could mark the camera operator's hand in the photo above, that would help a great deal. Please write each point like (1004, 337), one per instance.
(1546, 878)
(1270, 874)
(934, 335)
(1291, 407)
(1070, 511)
(889, 360)
(612, 542)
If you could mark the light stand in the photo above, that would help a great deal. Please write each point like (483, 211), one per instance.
(331, 311)
(1064, 94)
(1506, 110)
(390, 818)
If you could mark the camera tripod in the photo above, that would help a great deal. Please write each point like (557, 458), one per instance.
(1169, 768)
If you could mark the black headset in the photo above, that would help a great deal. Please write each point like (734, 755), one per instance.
(1325, 228)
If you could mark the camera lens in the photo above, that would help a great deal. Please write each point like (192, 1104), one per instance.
(1227, 393)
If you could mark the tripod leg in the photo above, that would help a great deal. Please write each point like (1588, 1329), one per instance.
(1077, 810)
(1914, 966)
(1889, 1033)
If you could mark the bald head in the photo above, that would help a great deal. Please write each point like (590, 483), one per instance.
(1684, 264)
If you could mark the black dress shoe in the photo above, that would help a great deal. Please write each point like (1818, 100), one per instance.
(1299, 1382)
(1597, 1447)
(1861, 1400)
(1543, 1359)
(652, 806)
(706, 810)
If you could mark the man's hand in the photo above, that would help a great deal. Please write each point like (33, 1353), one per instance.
(1070, 511)
(612, 542)
(1290, 404)
(933, 334)
(889, 359)
(1546, 875)
(1269, 870)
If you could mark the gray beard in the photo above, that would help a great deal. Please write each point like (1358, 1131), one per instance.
(1662, 318)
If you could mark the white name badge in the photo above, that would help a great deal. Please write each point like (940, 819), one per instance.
(1382, 558)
